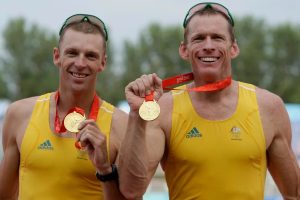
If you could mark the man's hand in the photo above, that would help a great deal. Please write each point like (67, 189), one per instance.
(137, 90)
(94, 142)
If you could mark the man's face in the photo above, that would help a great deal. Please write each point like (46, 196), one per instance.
(209, 48)
(80, 57)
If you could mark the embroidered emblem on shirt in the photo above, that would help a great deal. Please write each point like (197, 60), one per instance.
(193, 133)
(46, 145)
(236, 133)
(82, 154)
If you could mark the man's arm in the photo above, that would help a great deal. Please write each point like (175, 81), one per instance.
(282, 162)
(95, 143)
(144, 142)
(9, 167)
(119, 123)
(140, 155)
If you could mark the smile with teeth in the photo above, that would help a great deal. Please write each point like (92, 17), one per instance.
(77, 75)
(208, 59)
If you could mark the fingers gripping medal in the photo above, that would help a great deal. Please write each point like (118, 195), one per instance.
(150, 109)
(74, 117)
(71, 122)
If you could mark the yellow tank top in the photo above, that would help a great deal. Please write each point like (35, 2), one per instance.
(50, 166)
(214, 160)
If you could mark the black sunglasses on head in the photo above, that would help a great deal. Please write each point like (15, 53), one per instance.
(201, 6)
(85, 18)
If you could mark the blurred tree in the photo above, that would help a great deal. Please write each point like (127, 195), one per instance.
(269, 57)
(249, 66)
(29, 69)
(156, 51)
(3, 88)
(28, 63)
(284, 62)
(108, 83)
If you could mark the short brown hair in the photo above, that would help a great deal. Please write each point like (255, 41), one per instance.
(210, 11)
(84, 27)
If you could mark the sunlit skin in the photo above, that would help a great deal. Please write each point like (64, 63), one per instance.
(209, 48)
(79, 60)
(81, 55)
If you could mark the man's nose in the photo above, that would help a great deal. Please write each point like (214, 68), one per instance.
(208, 44)
(81, 61)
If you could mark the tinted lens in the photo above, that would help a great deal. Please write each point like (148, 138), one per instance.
(89, 18)
(201, 6)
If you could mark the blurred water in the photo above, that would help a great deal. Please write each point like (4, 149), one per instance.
(164, 196)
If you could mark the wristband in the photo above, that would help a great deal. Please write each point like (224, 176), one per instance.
(108, 177)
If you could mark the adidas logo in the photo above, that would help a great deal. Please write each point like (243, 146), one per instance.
(46, 145)
(193, 133)
(82, 155)
(236, 133)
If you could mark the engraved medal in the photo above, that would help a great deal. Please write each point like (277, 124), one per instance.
(72, 120)
(149, 110)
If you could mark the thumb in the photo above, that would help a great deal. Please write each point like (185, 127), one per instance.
(157, 84)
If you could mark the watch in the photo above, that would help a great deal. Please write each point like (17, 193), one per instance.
(108, 177)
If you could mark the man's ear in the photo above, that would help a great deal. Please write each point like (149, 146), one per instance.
(235, 50)
(56, 57)
(183, 51)
(103, 63)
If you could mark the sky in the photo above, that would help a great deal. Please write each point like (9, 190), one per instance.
(126, 19)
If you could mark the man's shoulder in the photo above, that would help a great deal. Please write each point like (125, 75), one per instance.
(264, 96)
(269, 98)
(120, 115)
(166, 100)
(22, 108)
(269, 103)
(17, 116)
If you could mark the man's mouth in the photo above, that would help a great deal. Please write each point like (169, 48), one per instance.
(208, 59)
(78, 75)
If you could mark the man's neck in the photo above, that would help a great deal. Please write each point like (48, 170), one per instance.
(68, 100)
(213, 96)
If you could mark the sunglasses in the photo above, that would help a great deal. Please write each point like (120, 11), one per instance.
(85, 18)
(202, 6)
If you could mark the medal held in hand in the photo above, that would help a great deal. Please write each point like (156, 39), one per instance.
(150, 109)
(72, 121)
(74, 117)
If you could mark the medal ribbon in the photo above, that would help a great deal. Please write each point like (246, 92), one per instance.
(189, 77)
(182, 78)
(60, 128)
(150, 96)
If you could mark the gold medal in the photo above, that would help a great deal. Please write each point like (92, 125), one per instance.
(149, 110)
(72, 120)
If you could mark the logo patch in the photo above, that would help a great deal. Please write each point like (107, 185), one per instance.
(82, 154)
(46, 145)
(193, 133)
(236, 133)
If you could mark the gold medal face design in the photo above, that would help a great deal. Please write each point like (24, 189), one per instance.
(149, 110)
(72, 120)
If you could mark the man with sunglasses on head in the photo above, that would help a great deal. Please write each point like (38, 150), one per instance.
(63, 145)
(214, 137)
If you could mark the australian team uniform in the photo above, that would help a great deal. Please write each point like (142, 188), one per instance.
(221, 159)
(50, 166)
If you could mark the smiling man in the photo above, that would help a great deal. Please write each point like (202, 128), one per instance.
(215, 137)
(57, 145)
